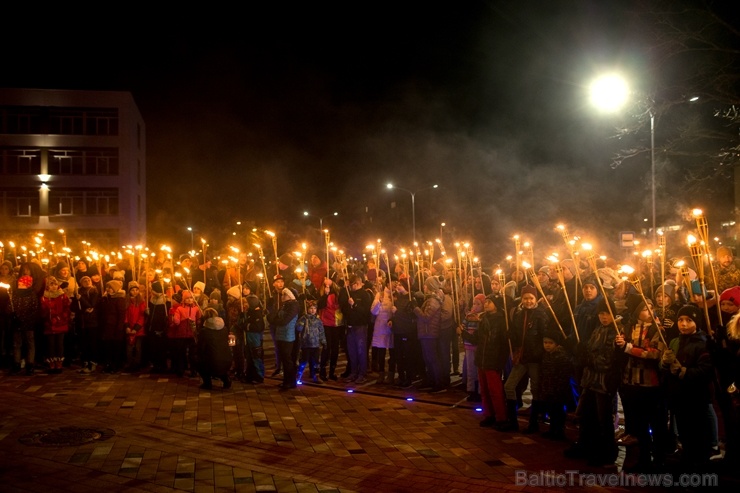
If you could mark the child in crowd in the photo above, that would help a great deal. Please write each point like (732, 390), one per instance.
(312, 337)
(687, 371)
(601, 374)
(472, 320)
(666, 308)
(642, 400)
(135, 323)
(491, 355)
(214, 353)
(55, 312)
(556, 371)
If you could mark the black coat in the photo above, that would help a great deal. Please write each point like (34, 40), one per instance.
(214, 353)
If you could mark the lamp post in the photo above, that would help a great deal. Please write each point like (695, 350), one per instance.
(413, 203)
(320, 218)
(609, 93)
(192, 244)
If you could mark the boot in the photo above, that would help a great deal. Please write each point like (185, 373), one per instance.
(332, 373)
(534, 417)
(381, 377)
(301, 367)
(60, 364)
(50, 364)
(512, 424)
(29, 368)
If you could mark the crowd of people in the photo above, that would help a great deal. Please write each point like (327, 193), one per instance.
(667, 346)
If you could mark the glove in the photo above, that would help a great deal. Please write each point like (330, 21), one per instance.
(668, 358)
(676, 367)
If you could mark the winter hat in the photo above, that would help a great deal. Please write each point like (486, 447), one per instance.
(177, 297)
(731, 294)
(234, 292)
(115, 285)
(498, 300)
(278, 277)
(119, 275)
(669, 287)
(638, 310)
(215, 295)
(25, 282)
(199, 285)
(132, 285)
(690, 311)
(433, 283)
(602, 307)
(529, 289)
(554, 335)
(481, 298)
(590, 279)
(570, 265)
(286, 259)
(723, 250)
(186, 294)
(545, 269)
(696, 288)
(82, 279)
(287, 294)
(157, 288)
(214, 323)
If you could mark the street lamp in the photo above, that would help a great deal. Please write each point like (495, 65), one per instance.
(609, 93)
(320, 218)
(192, 245)
(413, 203)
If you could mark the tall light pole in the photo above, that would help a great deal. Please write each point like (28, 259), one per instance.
(609, 93)
(413, 203)
(321, 218)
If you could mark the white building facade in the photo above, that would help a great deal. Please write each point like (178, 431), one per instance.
(72, 160)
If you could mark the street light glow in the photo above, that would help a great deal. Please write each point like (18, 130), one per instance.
(609, 92)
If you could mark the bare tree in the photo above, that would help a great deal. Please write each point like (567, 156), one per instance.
(692, 90)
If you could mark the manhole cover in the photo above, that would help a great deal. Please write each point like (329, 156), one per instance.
(68, 435)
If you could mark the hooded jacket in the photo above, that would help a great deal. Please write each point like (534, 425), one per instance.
(214, 353)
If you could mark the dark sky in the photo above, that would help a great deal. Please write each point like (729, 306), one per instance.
(260, 113)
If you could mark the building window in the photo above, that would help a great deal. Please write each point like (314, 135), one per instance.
(94, 161)
(83, 202)
(19, 161)
(83, 121)
(20, 119)
(19, 203)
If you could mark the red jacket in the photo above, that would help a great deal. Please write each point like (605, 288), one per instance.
(55, 312)
(183, 319)
(136, 316)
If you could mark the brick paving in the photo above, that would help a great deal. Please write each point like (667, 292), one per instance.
(170, 435)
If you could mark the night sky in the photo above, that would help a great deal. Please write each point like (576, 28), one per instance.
(257, 114)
